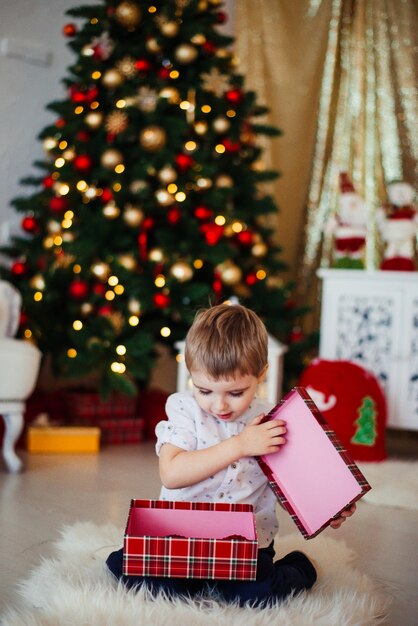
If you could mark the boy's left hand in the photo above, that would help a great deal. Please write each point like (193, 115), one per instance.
(336, 523)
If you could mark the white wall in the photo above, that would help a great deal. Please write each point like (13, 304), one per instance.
(27, 86)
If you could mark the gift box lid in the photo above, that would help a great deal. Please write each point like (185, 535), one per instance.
(190, 540)
(312, 475)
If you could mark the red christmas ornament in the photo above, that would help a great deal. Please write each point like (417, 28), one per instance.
(296, 335)
(221, 17)
(23, 319)
(60, 122)
(83, 135)
(212, 232)
(203, 212)
(245, 237)
(183, 162)
(78, 289)
(48, 182)
(143, 65)
(107, 195)
(231, 146)
(234, 96)
(161, 300)
(19, 268)
(99, 289)
(163, 73)
(148, 223)
(69, 30)
(76, 94)
(251, 279)
(173, 215)
(91, 94)
(58, 204)
(83, 163)
(105, 310)
(30, 224)
(209, 47)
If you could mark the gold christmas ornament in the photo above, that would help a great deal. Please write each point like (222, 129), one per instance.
(201, 127)
(171, 94)
(111, 211)
(116, 122)
(147, 99)
(167, 174)
(152, 138)
(94, 119)
(202, 6)
(69, 154)
(101, 270)
(126, 67)
(134, 305)
(203, 183)
(185, 53)
(220, 124)
(181, 271)
(128, 261)
(86, 308)
(224, 181)
(111, 158)
(128, 14)
(156, 255)
(216, 82)
(37, 282)
(198, 39)
(133, 215)
(113, 79)
(152, 45)
(164, 198)
(137, 186)
(169, 29)
(230, 273)
(117, 320)
(259, 249)
(53, 227)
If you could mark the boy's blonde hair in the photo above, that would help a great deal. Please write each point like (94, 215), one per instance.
(225, 340)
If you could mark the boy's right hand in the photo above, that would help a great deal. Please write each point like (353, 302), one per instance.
(262, 438)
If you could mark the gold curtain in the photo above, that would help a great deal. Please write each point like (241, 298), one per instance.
(340, 79)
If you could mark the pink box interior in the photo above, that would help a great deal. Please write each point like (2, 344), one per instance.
(191, 523)
(308, 469)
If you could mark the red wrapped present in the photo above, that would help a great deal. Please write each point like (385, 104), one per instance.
(87, 407)
(118, 431)
(190, 540)
(312, 475)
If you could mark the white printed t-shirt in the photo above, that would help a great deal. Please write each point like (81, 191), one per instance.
(190, 428)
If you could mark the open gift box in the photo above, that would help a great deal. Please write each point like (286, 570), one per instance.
(313, 476)
(190, 540)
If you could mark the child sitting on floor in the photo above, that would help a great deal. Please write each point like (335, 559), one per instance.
(207, 447)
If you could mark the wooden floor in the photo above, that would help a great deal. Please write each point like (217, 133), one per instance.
(55, 490)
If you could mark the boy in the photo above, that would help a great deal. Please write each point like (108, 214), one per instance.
(206, 450)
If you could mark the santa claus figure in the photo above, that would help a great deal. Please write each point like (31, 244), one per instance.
(398, 226)
(348, 226)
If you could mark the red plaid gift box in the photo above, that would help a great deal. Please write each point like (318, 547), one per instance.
(190, 540)
(313, 476)
(118, 431)
(87, 407)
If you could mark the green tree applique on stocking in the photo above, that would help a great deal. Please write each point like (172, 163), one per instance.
(366, 424)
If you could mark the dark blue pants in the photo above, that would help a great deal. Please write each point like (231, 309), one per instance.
(275, 580)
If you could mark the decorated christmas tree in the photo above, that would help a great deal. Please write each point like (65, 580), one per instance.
(150, 200)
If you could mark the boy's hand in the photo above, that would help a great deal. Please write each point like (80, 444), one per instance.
(336, 523)
(257, 439)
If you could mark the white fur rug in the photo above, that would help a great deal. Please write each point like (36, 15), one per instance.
(394, 483)
(75, 589)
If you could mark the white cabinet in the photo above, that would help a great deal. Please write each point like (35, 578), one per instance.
(371, 318)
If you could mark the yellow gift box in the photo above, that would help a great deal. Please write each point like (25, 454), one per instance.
(70, 439)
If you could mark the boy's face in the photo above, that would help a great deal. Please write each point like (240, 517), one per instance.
(225, 399)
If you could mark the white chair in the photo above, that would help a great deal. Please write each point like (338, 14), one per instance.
(19, 368)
